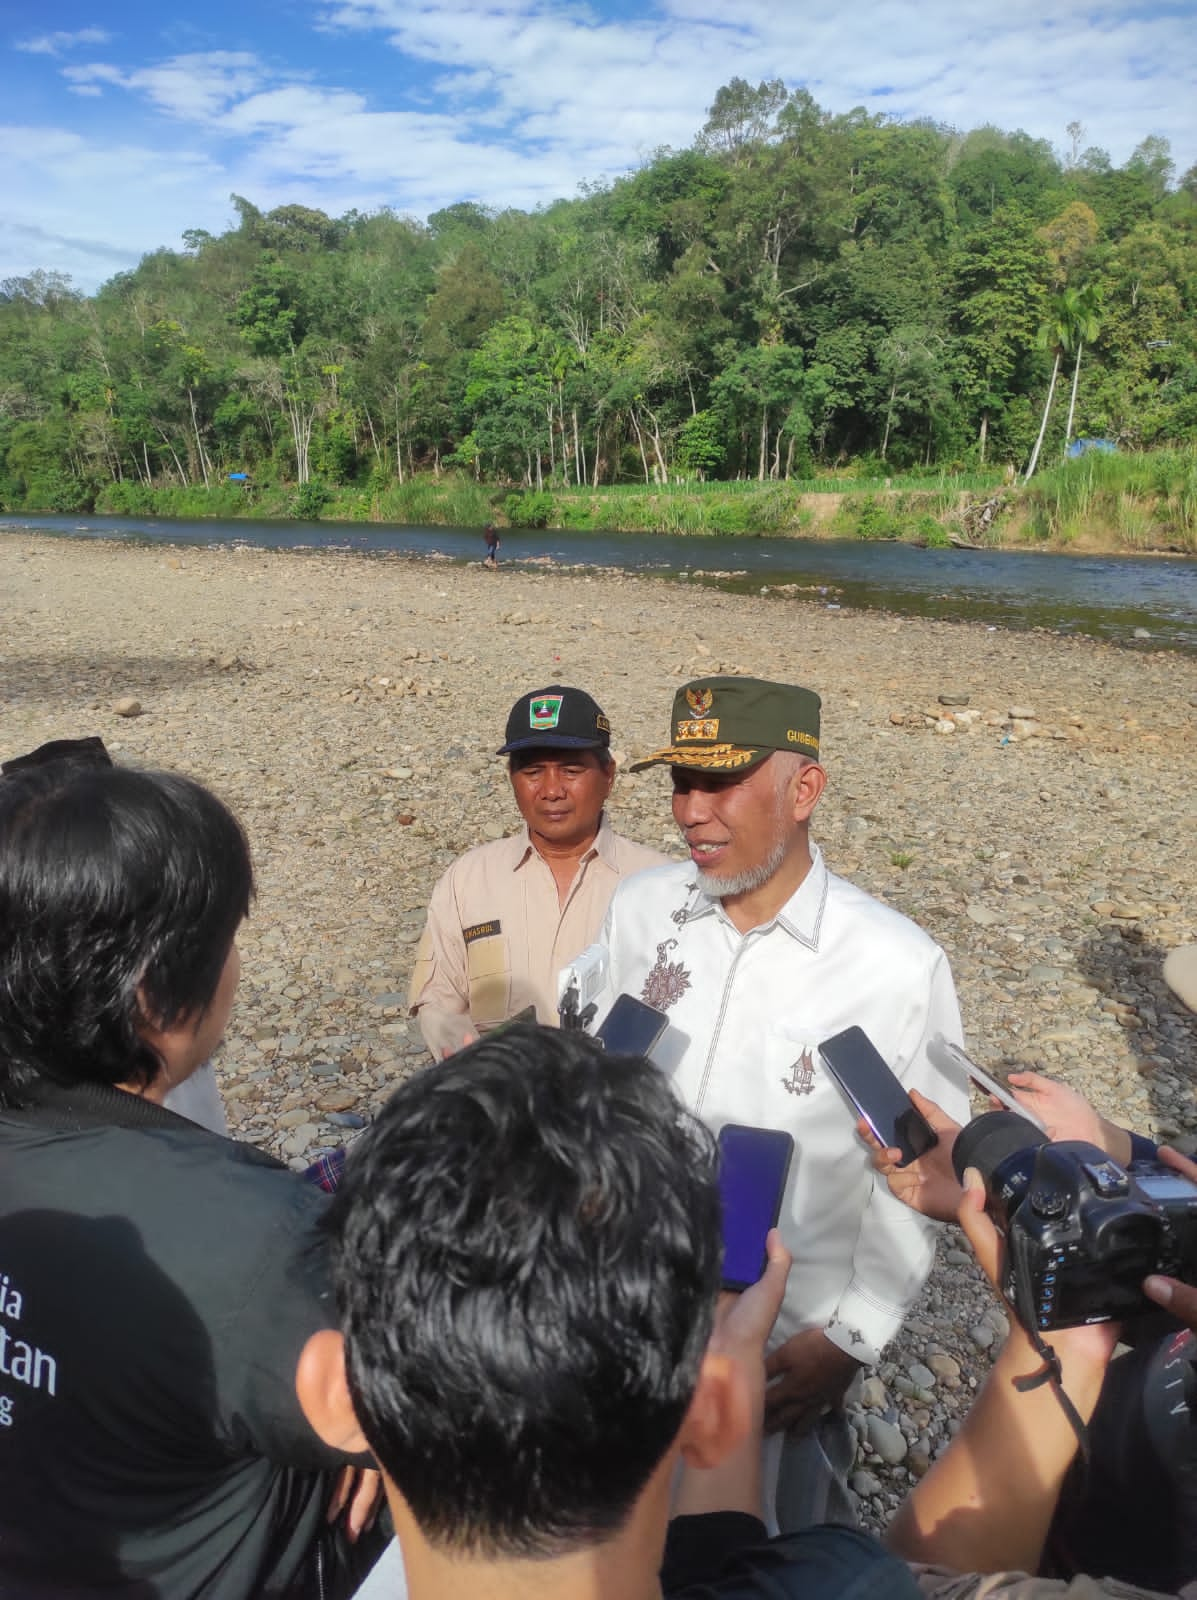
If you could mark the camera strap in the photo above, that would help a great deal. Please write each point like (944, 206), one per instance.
(1050, 1372)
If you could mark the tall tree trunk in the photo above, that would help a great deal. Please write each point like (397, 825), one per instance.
(889, 418)
(579, 454)
(1076, 378)
(1051, 390)
(640, 442)
(199, 444)
(764, 450)
(984, 434)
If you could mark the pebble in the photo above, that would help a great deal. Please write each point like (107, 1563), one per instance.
(886, 1441)
(127, 706)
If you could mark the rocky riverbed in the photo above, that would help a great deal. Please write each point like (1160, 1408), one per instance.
(1028, 799)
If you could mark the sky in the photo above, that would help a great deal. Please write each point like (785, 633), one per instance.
(123, 124)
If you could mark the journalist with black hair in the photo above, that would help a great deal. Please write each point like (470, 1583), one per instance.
(157, 1281)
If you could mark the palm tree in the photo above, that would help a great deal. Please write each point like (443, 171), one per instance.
(1071, 320)
(1086, 327)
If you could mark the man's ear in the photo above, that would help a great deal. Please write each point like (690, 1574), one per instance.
(323, 1391)
(809, 783)
(719, 1416)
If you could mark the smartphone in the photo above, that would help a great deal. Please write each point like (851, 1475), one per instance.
(861, 1072)
(949, 1057)
(754, 1164)
(631, 1028)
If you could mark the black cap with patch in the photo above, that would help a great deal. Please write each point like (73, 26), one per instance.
(556, 718)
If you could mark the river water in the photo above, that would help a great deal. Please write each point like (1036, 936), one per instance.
(1118, 598)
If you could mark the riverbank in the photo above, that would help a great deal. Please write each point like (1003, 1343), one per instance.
(349, 710)
(1097, 504)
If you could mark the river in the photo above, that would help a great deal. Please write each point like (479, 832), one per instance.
(1148, 602)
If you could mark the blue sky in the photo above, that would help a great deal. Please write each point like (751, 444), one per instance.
(124, 123)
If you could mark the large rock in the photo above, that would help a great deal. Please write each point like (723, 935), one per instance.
(1180, 974)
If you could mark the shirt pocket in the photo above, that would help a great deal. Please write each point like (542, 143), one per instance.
(488, 971)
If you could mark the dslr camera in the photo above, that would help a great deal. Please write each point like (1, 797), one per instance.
(1081, 1231)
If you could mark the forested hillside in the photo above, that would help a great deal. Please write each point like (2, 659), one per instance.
(798, 292)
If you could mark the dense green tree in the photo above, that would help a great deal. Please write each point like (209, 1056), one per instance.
(799, 288)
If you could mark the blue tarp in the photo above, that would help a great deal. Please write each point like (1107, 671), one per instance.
(1080, 447)
(238, 477)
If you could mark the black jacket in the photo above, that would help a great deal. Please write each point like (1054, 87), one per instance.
(157, 1283)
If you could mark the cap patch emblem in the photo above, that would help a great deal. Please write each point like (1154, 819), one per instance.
(545, 712)
(699, 728)
(699, 701)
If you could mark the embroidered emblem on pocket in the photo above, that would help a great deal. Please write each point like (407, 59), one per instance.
(801, 1076)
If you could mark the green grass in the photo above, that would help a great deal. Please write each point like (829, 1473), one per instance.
(1117, 501)
(1144, 501)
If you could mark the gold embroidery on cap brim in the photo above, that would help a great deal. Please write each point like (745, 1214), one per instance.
(721, 756)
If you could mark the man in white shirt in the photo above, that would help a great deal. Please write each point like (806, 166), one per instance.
(757, 953)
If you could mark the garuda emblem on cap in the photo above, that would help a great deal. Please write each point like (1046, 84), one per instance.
(699, 701)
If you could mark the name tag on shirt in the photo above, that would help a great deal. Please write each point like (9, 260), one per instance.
(482, 930)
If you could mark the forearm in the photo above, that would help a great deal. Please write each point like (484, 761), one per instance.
(734, 1485)
(444, 1027)
(987, 1503)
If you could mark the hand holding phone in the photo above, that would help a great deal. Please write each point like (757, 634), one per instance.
(953, 1061)
(865, 1079)
(754, 1164)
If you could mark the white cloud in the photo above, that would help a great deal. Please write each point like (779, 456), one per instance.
(516, 101)
(53, 44)
(193, 88)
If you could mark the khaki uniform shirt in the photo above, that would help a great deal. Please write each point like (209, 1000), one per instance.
(497, 936)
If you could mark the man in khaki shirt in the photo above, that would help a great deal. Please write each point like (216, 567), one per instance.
(506, 917)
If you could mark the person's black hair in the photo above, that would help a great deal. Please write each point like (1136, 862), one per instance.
(121, 892)
(527, 1257)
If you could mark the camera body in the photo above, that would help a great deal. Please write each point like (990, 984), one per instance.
(1081, 1231)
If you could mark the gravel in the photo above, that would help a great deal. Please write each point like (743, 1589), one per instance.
(348, 708)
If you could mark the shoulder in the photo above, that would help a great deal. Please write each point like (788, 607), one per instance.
(825, 1563)
(854, 913)
(482, 859)
(645, 886)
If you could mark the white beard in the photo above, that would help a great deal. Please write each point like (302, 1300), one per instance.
(745, 882)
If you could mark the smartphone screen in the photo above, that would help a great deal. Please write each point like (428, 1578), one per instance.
(754, 1164)
(861, 1072)
(631, 1028)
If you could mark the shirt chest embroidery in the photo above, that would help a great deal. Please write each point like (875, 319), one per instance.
(667, 982)
(800, 1078)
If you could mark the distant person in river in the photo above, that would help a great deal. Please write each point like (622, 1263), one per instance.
(507, 916)
(491, 534)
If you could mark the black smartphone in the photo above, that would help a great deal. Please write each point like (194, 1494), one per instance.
(861, 1072)
(631, 1028)
(754, 1164)
(528, 1014)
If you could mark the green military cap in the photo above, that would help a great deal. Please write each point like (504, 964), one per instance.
(732, 724)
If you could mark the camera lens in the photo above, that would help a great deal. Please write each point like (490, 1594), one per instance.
(989, 1139)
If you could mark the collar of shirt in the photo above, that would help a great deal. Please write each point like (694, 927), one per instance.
(801, 916)
(522, 848)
